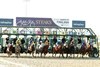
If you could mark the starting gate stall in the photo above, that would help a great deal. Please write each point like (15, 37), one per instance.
(5, 23)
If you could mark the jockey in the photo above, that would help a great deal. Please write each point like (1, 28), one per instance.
(63, 40)
(31, 40)
(30, 47)
(40, 45)
(71, 41)
(14, 40)
(18, 42)
(58, 42)
(7, 40)
(91, 43)
(22, 41)
(79, 40)
(31, 43)
(8, 46)
(54, 40)
(46, 41)
(84, 43)
(40, 40)
(36, 41)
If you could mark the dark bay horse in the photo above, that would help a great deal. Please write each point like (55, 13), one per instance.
(85, 49)
(43, 49)
(31, 49)
(70, 47)
(69, 50)
(9, 50)
(57, 49)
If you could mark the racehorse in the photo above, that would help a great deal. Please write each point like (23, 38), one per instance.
(31, 49)
(9, 50)
(65, 49)
(68, 50)
(85, 49)
(71, 47)
(57, 49)
(18, 48)
(43, 49)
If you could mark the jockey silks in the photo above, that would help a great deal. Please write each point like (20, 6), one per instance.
(63, 40)
(54, 40)
(7, 40)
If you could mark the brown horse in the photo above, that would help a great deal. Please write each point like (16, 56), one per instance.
(9, 50)
(86, 49)
(43, 49)
(31, 49)
(57, 49)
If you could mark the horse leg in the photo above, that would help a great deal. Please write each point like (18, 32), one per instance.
(77, 55)
(19, 53)
(73, 54)
(66, 55)
(55, 54)
(70, 55)
(82, 55)
(37, 52)
(16, 54)
(41, 54)
(8, 54)
(32, 54)
(52, 54)
(44, 55)
(59, 54)
(62, 55)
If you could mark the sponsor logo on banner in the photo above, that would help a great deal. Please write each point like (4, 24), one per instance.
(6, 22)
(35, 22)
(61, 22)
(41, 22)
(78, 24)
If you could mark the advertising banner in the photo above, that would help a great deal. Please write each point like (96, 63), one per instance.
(61, 22)
(78, 24)
(6, 22)
(40, 22)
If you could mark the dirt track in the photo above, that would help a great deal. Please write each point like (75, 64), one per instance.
(28, 61)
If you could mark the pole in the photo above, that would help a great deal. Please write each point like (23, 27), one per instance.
(26, 7)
